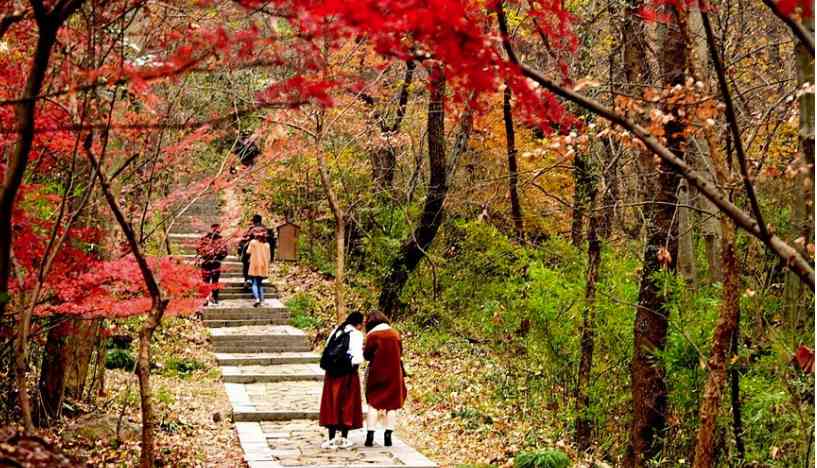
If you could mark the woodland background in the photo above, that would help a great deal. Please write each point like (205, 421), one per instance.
(634, 293)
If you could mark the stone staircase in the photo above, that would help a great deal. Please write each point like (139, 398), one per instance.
(271, 376)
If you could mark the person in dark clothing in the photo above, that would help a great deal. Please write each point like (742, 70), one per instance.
(341, 402)
(212, 249)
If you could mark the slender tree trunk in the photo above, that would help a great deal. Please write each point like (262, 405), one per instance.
(722, 344)
(581, 195)
(700, 153)
(513, 173)
(154, 318)
(24, 118)
(686, 246)
(18, 160)
(415, 247)
(649, 389)
(340, 237)
(340, 268)
(583, 421)
(734, 393)
(803, 194)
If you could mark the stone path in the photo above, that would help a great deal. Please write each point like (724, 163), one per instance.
(270, 373)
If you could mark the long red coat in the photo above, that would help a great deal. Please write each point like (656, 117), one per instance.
(341, 405)
(340, 402)
(385, 382)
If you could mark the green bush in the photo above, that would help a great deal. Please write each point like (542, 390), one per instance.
(119, 359)
(542, 459)
(302, 308)
(182, 366)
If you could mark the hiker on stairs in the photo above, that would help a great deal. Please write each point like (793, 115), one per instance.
(341, 405)
(385, 378)
(259, 254)
(243, 254)
(212, 249)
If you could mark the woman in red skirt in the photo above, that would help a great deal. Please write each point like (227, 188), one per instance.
(341, 407)
(385, 380)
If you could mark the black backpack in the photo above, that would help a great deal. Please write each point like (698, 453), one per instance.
(335, 359)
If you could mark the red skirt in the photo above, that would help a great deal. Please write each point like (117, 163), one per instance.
(341, 404)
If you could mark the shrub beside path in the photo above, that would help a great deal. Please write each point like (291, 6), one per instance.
(271, 374)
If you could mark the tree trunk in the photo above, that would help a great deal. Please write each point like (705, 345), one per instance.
(700, 154)
(143, 372)
(384, 159)
(340, 237)
(802, 208)
(154, 318)
(68, 350)
(686, 246)
(79, 349)
(649, 390)
(384, 163)
(583, 421)
(413, 249)
(18, 160)
(581, 194)
(734, 394)
(722, 341)
(340, 267)
(52, 374)
(513, 173)
(15, 167)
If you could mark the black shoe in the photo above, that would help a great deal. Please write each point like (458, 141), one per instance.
(369, 439)
(257, 304)
(387, 438)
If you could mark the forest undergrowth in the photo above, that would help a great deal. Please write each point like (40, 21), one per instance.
(492, 347)
(192, 410)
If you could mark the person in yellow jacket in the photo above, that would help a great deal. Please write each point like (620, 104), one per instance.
(260, 254)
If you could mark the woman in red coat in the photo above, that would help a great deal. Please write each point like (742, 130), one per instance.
(385, 382)
(341, 406)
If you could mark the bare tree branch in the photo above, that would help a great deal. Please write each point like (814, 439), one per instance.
(798, 264)
(796, 28)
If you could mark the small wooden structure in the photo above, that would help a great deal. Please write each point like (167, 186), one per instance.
(287, 248)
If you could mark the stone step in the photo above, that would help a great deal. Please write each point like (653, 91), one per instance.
(245, 306)
(204, 209)
(197, 218)
(259, 338)
(224, 295)
(275, 401)
(213, 313)
(199, 224)
(296, 443)
(192, 258)
(245, 347)
(238, 287)
(218, 323)
(177, 236)
(266, 359)
(279, 373)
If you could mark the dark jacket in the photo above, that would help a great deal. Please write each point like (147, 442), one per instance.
(212, 249)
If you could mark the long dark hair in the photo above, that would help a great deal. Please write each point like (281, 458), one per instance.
(374, 319)
(354, 319)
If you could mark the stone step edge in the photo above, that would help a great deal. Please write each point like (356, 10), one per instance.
(266, 359)
(219, 323)
(260, 349)
(258, 453)
(270, 378)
